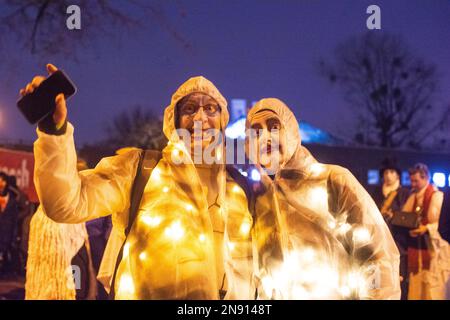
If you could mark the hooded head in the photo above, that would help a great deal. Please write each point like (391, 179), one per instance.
(287, 136)
(193, 85)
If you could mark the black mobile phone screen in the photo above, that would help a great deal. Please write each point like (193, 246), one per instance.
(41, 102)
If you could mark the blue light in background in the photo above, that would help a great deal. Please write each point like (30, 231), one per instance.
(439, 179)
(236, 130)
(405, 178)
(373, 177)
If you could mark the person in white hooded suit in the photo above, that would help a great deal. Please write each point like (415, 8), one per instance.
(191, 236)
(334, 243)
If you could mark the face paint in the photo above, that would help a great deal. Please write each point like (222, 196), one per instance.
(270, 138)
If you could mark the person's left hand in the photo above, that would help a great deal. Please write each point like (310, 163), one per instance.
(422, 229)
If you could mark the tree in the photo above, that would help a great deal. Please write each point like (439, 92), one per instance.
(136, 128)
(40, 25)
(390, 90)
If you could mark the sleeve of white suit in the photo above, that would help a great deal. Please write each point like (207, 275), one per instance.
(69, 196)
(370, 240)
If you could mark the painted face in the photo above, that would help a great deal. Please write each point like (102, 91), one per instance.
(417, 181)
(199, 113)
(270, 138)
(390, 177)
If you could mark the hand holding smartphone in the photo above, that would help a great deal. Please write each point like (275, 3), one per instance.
(38, 104)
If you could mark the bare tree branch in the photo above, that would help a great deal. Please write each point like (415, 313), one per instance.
(388, 88)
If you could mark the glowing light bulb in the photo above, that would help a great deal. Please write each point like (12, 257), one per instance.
(143, 256)
(156, 174)
(126, 249)
(344, 228)
(189, 207)
(332, 224)
(345, 291)
(361, 235)
(151, 221)
(165, 189)
(319, 197)
(202, 238)
(317, 169)
(307, 255)
(356, 282)
(231, 246)
(175, 231)
(126, 286)
(236, 189)
(245, 228)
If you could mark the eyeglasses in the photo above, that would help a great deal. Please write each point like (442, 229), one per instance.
(190, 109)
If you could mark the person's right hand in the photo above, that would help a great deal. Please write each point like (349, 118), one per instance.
(60, 113)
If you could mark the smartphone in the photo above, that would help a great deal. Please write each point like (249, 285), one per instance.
(41, 102)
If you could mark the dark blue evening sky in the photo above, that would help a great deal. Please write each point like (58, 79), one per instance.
(249, 49)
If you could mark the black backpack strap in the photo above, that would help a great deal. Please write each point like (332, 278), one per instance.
(147, 162)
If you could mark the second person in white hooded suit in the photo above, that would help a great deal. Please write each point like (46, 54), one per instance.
(333, 240)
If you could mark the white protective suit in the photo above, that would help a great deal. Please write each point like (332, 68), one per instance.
(334, 241)
(171, 249)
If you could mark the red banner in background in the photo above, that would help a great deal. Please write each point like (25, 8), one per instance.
(21, 165)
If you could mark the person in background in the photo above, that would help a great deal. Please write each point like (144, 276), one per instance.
(25, 211)
(428, 253)
(8, 222)
(59, 264)
(390, 198)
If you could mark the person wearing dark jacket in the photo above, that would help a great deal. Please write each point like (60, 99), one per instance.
(391, 197)
(8, 220)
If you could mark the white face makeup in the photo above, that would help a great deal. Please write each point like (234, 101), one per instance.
(270, 139)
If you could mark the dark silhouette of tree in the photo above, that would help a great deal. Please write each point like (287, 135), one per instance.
(136, 128)
(390, 90)
(40, 25)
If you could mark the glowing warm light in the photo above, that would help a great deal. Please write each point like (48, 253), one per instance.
(189, 207)
(165, 189)
(345, 291)
(236, 189)
(319, 197)
(245, 228)
(175, 231)
(126, 287)
(344, 228)
(332, 224)
(151, 221)
(356, 282)
(202, 238)
(307, 255)
(156, 174)
(302, 275)
(142, 256)
(126, 249)
(231, 246)
(317, 169)
(361, 235)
